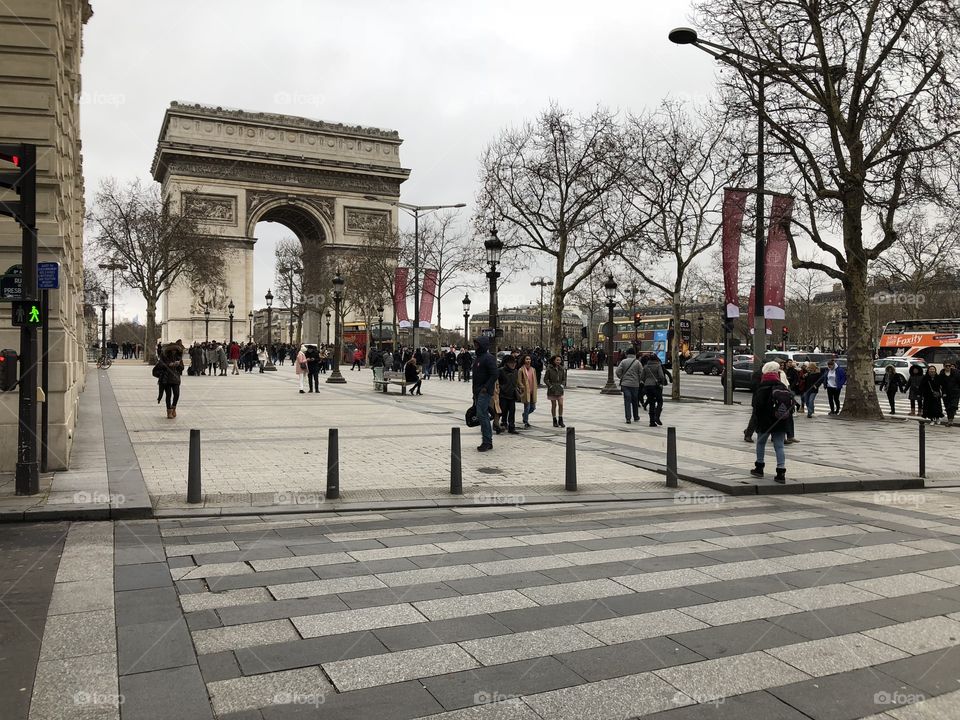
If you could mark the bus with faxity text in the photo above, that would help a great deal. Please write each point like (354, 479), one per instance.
(933, 341)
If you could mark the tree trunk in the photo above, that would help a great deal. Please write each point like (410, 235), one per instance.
(557, 298)
(675, 347)
(150, 335)
(861, 397)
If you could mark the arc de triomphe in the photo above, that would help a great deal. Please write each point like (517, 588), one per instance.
(234, 168)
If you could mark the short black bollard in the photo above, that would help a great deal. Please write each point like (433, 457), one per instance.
(333, 466)
(672, 458)
(923, 449)
(571, 480)
(194, 493)
(456, 477)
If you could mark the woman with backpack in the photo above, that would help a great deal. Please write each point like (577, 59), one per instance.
(893, 383)
(167, 371)
(773, 408)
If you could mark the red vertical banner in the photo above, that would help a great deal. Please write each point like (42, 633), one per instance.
(775, 259)
(767, 324)
(400, 295)
(734, 202)
(427, 296)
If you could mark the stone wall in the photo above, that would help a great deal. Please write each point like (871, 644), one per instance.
(40, 49)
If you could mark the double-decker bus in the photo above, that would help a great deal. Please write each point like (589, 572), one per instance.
(652, 335)
(934, 341)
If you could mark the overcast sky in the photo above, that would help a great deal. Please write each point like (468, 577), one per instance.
(447, 75)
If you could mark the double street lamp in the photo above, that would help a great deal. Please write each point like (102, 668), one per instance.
(250, 318)
(700, 329)
(415, 211)
(230, 308)
(380, 324)
(113, 266)
(338, 284)
(269, 364)
(610, 289)
(541, 282)
(328, 327)
(494, 248)
(466, 317)
(206, 323)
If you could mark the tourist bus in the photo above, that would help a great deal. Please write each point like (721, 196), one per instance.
(931, 340)
(652, 335)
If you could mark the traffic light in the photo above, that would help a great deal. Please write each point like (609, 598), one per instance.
(636, 319)
(583, 332)
(8, 370)
(23, 181)
(728, 322)
(26, 313)
(784, 333)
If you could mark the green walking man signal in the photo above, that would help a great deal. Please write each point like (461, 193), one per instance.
(27, 313)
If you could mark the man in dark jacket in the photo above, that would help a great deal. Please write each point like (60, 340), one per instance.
(484, 381)
(769, 395)
(508, 393)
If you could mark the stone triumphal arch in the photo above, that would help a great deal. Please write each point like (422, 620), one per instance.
(233, 169)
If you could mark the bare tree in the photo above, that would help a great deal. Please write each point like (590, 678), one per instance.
(289, 278)
(861, 97)
(547, 186)
(446, 248)
(159, 245)
(809, 320)
(686, 156)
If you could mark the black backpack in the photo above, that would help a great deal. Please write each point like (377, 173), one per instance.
(782, 400)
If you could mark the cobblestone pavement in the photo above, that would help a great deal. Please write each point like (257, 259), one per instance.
(263, 443)
(787, 608)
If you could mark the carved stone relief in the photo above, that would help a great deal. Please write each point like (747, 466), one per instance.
(212, 297)
(211, 208)
(362, 222)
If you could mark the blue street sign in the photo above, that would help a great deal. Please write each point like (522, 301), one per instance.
(48, 276)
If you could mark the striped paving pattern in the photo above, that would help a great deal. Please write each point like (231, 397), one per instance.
(784, 609)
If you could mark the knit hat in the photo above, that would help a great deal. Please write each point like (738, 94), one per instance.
(771, 367)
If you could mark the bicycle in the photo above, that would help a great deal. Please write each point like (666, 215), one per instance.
(104, 361)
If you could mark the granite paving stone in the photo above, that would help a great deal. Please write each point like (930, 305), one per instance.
(710, 680)
(406, 637)
(625, 697)
(638, 627)
(138, 577)
(219, 666)
(202, 620)
(574, 591)
(200, 548)
(368, 671)
(154, 646)
(919, 636)
(149, 605)
(247, 635)
(740, 610)
(228, 598)
(853, 694)
(531, 644)
(825, 596)
(303, 686)
(933, 673)
(297, 561)
(334, 623)
(323, 587)
(836, 654)
(163, 694)
(87, 683)
(899, 585)
(481, 603)
(400, 701)
(759, 704)
(308, 652)
(725, 640)
(80, 596)
(609, 661)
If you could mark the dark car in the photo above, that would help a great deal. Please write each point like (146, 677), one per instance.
(709, 363)
(742, 376)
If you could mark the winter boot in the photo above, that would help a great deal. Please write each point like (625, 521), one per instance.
(555, 424)
(757, 470)
(781, 476)
(560, 421)
(169, 414)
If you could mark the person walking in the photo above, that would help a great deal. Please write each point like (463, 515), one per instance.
(629, 371)
(950, 389)
(773, 404)
(555, 378)
(527, 383)
(834, 378)
(222, 359)
(893, 383)
(484, 372)
(235, 358)
(313, 368)
(168, 371)
(653, 379)
(811, 386)
(914, 380)
(508, 394)
(300, 366)
(412, 376)
(932, 396)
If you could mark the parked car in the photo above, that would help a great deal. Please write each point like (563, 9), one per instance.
(900, 364)
(742, 358)
(742, 376)
(709, 363)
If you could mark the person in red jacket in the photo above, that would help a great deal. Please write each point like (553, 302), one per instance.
(357, 360)
(235, 358)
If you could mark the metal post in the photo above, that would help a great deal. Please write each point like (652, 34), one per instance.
(333, 466)
(194, 494)
(672, 457)
(27, 478)
(45, 379)
(456, 477)
(416, 277)
(923, 449)
(759, 323)
(610, 388)
(727, 366)
(466, 327)
(492, 276)
(231, 328)
(571, 478)
(335, 375)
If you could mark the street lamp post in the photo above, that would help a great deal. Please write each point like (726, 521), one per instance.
(103, 318)
(610, 288)
(380, 324)
(328, 327)
(269, 364)
(541, 283)
(338, 283)
(414, 211)
(700, 331)
(466, 317)
(230, 308)
(113, 266)
(250, 318)
(494, 247)
(206, 324)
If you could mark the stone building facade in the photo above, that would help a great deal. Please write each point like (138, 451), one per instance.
(40, 104)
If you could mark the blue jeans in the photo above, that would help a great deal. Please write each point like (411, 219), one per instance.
(778, 438)
(528, 407)
(631, 402)
(483, 415)
(808, 399)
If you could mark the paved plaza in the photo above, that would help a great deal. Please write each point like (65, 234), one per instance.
(827, 607)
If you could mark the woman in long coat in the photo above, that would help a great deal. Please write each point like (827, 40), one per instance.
(930, 390)
(527, 385)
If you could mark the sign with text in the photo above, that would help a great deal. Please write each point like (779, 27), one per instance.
(48, 276)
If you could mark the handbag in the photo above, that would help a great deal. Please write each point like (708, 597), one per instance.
(303, 366)
(158, 370)
(470, 417)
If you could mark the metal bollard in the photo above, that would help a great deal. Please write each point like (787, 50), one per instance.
(194, 493)
(923, 449)
(456, 477)
(333, 466)
(571, 479)
(672, 458)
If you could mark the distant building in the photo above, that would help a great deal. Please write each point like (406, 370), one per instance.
(521, 326)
